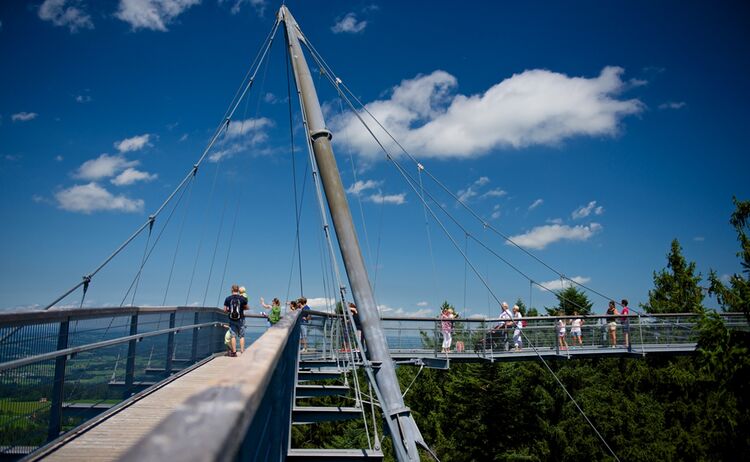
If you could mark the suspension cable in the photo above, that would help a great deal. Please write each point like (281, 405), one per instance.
(222, 126)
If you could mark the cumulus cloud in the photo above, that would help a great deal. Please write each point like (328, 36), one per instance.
(349, 24)
(248, 127)
(240, 135)
(422, 303)
(394, 199)
(23, 116)
(557, 284)
(135, 143)
(497, 192)
(673, 105)
(103, 166)
(536, 204)
(131, 175)
(495, 212)
(542, 236)
(91, 197)
(535, 107)
(152, 14)
(586, 210)
(360, 186)
(65, 13)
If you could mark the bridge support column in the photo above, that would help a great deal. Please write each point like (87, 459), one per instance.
(194, 347)
(58, 387)
(130, 364)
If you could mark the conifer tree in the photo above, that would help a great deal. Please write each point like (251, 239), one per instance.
(569, 300)
(736, 297)
(677, 287)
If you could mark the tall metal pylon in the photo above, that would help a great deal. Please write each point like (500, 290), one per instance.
(399, 421)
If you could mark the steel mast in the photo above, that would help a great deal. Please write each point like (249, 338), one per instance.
(403, 429)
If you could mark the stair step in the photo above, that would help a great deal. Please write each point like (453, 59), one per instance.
(341, 455)
(313, 414)
(311, 391)
(321, 374)
(317, 363)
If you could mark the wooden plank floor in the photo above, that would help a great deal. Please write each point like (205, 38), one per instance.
(114, 436)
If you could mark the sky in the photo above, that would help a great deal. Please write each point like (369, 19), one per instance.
(589, 133)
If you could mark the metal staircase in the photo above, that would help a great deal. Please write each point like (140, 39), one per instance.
(310, 374)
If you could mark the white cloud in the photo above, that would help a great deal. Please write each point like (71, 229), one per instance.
(555, 221)
(135, 143)
(586, 210)
(24, 116)
(422, 303)
(497, 192)
(103, 166)
(246, 127)
(59, 158)
(673, 105)
(699, 238)
(536, 204)
(395, 199)
(131, 175)
(320, 303)
(71, 16)
(360, 186)
(258, 5)
(495, 212)
(183, 137)
(557, 284)
(152, 14)
(349, 24)
(270, 98)
(464, 195)
(83, 99)
(535, 107)
(541, 236)
(91, 197)
(387, 311)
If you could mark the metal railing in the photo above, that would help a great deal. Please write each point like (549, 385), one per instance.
(62, 367)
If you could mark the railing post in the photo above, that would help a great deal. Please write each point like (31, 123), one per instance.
(194, 347)
(58, 387)
(130, 365)
(170, 344)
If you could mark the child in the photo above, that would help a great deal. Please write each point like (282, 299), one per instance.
(228, 339)
(575, 331)
(447, 327)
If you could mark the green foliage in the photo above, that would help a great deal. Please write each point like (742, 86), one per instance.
(569, 300)
(521, 306)
(676, 288)
(736, 297)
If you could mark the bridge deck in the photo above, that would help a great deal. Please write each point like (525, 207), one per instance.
(114, 435)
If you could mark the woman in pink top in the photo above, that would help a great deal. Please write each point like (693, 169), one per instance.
(446, 325)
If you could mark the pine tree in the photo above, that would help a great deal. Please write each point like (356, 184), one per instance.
(569, 300)
(736, 297)
(677, 287)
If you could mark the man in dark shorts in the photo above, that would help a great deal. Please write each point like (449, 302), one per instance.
(235, 306)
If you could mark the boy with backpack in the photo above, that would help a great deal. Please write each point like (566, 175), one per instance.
(235, 306)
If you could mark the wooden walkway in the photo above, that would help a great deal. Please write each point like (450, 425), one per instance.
(116, 434)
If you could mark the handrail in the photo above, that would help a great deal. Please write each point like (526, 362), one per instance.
(56, 315)
(227, 405)
(94, 346)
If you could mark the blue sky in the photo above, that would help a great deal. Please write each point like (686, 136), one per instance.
(593, 133)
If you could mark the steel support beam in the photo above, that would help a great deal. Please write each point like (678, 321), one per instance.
(398, 417)
(58, 387)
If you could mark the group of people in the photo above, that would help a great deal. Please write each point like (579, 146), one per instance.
(612, 314)
(236, 304)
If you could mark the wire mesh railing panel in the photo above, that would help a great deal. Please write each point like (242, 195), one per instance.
(57, 373)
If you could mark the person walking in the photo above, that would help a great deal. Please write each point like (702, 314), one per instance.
(235, 306)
